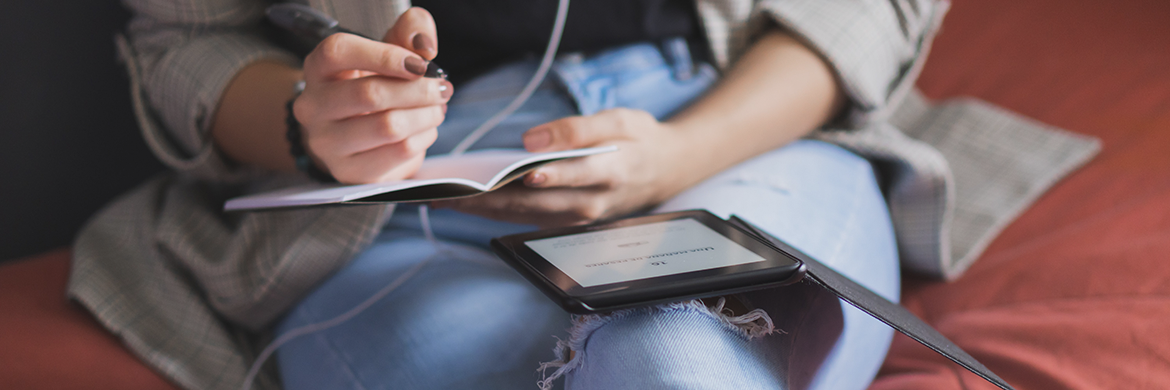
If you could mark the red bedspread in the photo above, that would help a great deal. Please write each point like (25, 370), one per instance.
(1076, 293)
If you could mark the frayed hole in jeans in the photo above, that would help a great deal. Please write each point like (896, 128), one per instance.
(566, 360)
(753, 324)
(571, 352)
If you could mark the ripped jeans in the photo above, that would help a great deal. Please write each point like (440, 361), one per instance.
(467, 321)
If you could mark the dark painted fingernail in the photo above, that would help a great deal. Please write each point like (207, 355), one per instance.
(423, 43)
(415, 65)
(537, 140)
(446, 89)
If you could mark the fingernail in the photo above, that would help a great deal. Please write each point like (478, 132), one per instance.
(423, 43)
(535, 179)
(537, 140)
(446, 89)
(415, 65)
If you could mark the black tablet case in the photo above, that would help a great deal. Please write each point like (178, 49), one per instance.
(875, 305)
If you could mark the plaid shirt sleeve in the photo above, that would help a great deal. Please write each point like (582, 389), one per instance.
(877, 47)
(181, 56)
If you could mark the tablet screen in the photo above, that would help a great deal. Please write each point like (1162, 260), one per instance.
(642, 251)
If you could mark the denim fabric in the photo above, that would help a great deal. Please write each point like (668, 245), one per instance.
(465, 320)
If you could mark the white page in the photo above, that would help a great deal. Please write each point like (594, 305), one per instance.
(487, 166)
(478, 169)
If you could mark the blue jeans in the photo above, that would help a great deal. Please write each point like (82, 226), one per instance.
(466, 320)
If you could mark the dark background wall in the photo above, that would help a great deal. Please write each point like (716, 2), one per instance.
(68, 139)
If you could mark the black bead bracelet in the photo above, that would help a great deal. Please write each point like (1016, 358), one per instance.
(296, 143)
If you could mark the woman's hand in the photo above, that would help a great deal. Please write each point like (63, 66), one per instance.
(367, 114)
(778, 91)
(643, 172)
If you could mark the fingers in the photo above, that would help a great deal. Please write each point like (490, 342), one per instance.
(367, 132)
(340, 54)
(388, 162)
(367, 113)
(591, 171)
(415, 30)
(609, 127)
(546, 207)
(585, 131)
(347, 98)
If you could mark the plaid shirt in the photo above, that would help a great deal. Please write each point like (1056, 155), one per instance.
(187, 287)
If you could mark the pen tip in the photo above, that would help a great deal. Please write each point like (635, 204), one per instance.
(435, 72)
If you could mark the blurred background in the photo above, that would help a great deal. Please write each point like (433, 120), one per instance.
(68, 139)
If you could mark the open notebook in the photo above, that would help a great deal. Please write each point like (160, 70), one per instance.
(439, 177)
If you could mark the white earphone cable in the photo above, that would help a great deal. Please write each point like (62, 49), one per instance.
(423, 211)
(545, 64)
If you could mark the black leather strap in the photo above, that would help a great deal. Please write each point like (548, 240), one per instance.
(875, 305)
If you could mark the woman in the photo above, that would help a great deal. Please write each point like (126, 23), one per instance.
(211, 94)
(363, 128)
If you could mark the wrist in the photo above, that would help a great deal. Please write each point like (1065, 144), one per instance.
(683, 159)
(296, 141)
(249, 123)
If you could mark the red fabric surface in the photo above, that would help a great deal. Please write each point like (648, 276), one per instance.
(1076, 293)
(47, 342)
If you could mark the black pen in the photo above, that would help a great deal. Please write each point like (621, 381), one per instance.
(314, 26)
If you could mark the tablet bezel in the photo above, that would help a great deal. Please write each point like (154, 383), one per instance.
(778, 268)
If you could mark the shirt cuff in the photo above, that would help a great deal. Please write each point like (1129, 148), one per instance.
(175, 96)
(876, 47)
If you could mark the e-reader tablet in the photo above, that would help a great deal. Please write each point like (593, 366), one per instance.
(691, 254)
(646, 260)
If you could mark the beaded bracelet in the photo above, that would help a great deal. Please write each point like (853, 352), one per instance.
(296, 142)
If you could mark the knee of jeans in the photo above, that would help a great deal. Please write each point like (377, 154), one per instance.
(785, 169)
(571, 353)
(824, 156)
